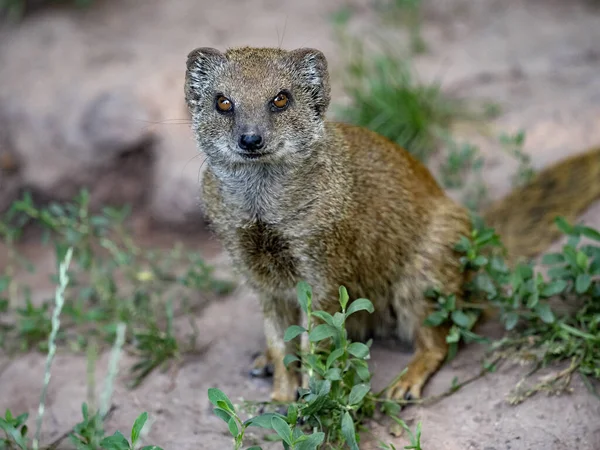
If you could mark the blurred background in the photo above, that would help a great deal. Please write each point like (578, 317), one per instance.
(96, 149)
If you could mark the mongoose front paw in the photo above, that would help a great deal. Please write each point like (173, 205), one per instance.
(262, 366)
(408, 387)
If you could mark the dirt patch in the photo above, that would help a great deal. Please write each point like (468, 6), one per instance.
(539, 60)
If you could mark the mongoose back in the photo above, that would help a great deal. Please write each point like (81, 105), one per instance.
(294, 197)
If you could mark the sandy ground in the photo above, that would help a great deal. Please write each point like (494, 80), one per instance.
(539, 59)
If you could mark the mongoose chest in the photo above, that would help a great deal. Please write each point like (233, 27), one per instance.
(266, 255)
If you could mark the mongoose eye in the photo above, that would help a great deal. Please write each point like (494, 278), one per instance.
(280, 101)
(224, 104)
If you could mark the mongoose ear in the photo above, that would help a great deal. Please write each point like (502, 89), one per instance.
(202, 66)
(203, 54)
(311, 65)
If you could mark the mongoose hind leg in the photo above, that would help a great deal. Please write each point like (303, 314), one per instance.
(431, 350)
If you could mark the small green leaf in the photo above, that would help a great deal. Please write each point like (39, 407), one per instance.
(115, 442)
(358, 349)
(484, 282)
(13, 433)
(570, 255)
(343, 297)
(321, 332)
(582, 260)
(533, 300)
(453, 335)
(563, 225)
(292, 414)
(304, 292)
(315, 404)
(391, 408)
(293, 332)
(559, 272)
(358, 392)
(312, 442)
(137, 427)
(525, 271)
(359, 305)
(590, 233)
(282, 428)
(574, 240)
(450, 303)
(348, 431)
(452, 350)
(222, 414)
(338, 320)
(485, 236)
(460, 318)
(595, 267)
(511, 320)
(323, 387)
(288, 359)
(262, 421)
(362, 369)
(463, 245)
(324, 316)
(333, 356)
(554, 288)
(233, 428)
(544, 312)
(553, 258)
(582, 283)
(216, 395)
(480, 261)
(334, 374)
(499, 265)
(436, 318)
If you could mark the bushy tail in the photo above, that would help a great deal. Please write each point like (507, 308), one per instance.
(525, 218)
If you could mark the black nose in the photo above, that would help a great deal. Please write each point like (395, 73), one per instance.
(251, 142)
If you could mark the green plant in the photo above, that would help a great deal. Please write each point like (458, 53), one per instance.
(415, 438)
(338, 397)
(513, 145)
(34, 325)
(292, 439)
(155, 349)
(386, 97)
(112, 280)
(523, 297)
(59, 301)
(15, 431)
(463, 162)
(87, 435)
(15, 10)
(119, 442)
(460, 160)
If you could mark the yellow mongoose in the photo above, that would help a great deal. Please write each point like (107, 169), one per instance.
(293, 197)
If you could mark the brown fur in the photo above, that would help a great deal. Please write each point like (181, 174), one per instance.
(328, 203)
(525, 218)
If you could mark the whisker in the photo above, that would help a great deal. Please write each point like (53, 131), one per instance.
(283, 32)
(200, 170)
(198, 155)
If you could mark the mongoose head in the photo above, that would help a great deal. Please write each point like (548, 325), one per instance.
(256, 105)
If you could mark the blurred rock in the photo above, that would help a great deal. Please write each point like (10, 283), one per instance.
(94, 139)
